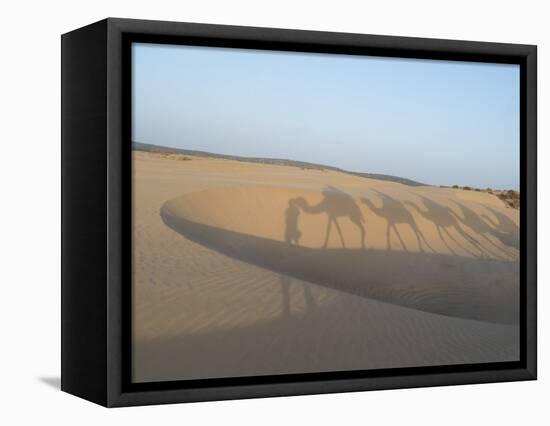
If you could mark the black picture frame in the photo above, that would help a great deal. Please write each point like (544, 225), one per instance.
(96, 211)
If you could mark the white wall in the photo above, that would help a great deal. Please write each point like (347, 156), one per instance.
(30, 242)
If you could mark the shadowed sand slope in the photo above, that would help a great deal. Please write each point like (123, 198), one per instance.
(482, 287)
(343, 333)
(247, 269)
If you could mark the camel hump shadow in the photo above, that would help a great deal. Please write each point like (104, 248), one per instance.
(504, 229)
(483, 226)
(335, 204)
(396, 213)
(446, 219)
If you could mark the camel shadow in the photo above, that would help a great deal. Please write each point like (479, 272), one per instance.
(445, 220)
(505, 229)
(395, 213)
(476, 243)
(479, 224)
(335, 204)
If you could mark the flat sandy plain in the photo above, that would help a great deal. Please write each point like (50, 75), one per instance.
(244, 269)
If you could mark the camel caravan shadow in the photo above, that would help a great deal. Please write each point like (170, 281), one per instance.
(476, 287)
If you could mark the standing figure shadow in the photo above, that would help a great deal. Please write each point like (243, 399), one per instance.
(394, 212)
(292, 213)
(335, 204)
(286, 300)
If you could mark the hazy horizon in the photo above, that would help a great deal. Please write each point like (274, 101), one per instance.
(436, 122)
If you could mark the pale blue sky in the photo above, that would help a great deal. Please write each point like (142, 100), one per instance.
(438, 122)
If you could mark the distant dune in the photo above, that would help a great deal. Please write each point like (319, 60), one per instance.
(282, 162)
(252, 267)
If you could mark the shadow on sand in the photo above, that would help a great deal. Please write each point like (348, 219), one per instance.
(473, 288)
(395, 213)
(335, 204)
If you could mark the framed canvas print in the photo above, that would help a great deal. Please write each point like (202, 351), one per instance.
(253, 212)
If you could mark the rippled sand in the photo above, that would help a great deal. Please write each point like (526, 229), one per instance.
(248, 269)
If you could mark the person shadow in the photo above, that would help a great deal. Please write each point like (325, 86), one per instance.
(335, 204)
(286, 297)
(292, 237)
(292, 213)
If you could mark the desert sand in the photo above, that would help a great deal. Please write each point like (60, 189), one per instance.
(245, 269)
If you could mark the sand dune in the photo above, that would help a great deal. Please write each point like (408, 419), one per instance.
(402, 219)
(245, 269)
